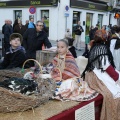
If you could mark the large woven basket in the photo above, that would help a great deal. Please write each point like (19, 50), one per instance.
(12, 101)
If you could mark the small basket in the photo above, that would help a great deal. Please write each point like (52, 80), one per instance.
(11, 101)
(34, 61)
(44, 57)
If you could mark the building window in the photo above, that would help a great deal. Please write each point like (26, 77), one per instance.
(18, 14)
(45, 15)
(89, 18)
(110, 18)
(76, 18)
(100, 20)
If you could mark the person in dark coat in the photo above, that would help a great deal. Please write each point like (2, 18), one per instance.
(96, 28)
(3, 27)
(19, 28)
(72, 50)
(8, 30)
(68, 36)
(33, 39)
(91, 33)
(15, 23)
(26, 24)
(15, 55)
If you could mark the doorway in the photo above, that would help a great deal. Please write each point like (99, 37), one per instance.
(89, 18)
(76, 18)
(100, 20)
(18, 14)
(45, 15)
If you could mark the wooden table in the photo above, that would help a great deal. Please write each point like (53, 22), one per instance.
(70, 113)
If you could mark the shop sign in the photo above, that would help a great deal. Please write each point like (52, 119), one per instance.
(91, 6)
(23, 3)
(88, 5)
(35, 2)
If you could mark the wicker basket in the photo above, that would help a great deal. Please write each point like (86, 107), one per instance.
(12, 101)
(44, 57)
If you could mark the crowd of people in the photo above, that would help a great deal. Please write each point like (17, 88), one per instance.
(101, 74)
(32, 36)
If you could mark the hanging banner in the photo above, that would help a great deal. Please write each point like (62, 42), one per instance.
(84, 4)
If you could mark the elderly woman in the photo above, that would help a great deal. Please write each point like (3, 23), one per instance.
(101, 75)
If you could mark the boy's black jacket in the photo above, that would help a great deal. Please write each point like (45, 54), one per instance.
(13, 60)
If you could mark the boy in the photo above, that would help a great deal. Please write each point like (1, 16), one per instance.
(15, 55)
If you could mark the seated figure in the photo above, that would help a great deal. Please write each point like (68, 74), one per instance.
(101, 75)
(15, 55)
(67, 76)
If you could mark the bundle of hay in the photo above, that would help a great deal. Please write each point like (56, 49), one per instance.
(13, 101)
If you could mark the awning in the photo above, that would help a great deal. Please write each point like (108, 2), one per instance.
(87, 4)
(27, 3)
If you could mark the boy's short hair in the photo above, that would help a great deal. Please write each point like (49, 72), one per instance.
(16, 35)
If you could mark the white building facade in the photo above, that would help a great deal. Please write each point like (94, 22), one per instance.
(59, 14)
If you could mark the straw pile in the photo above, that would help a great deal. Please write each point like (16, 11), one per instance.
(12, 101)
